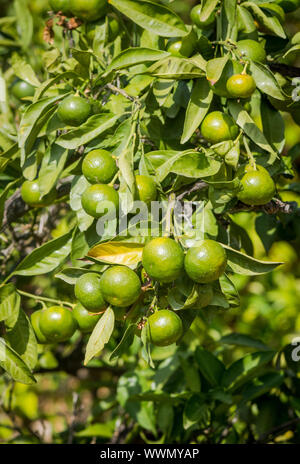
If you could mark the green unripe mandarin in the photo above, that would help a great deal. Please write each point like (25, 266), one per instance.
(30, 193)
(60, 5)
(86, 320)
(163, 259)
(120, 286)
(146, 188)
(74, 110)
(241, 86)
(252, 50)
(88, 292)
(99, 199)
(57, 324)
(205, 262)
(88, 10)
(35, 322)
(99, 167)
(195, 17)
(258, 187)
(22, 89)
(165, 327)
(183, 48)
(217, 127)
(219, 88)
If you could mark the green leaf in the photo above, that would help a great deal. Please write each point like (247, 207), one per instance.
(262, 385)
(33, 120)
(273, 126)
(271, 23)
(22, 339)
(215, 67)
(78, 186)
(3, 196)
(247, 265)
(187, 163)
(11, 362)
(152, 17)
(239, 339)
(265, 80)
(46, 258)
(71, 274)
(50, 83)
(175, 68)
(125, 343)
(88, 131)
(51, 168)
(134, 56)
(98, 430)
(210, 366)
(243, 369)
(24, 71)
(207, 9)
(9, 302)
(244, 120)
(229, 291)
(24, 21)
(100, 335)
(198, 106)
(196, 411)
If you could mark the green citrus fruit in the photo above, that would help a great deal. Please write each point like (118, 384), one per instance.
(60, 5)
(241, 85)
(57, 324)
(88, 10)
(289, 5)
(35, 322)
(219, 88)
(146, 188)
(205, 262)
(163, 259)
(87, 291)
(22, 89)
(86, 321)
(258, 186)
(74, 110)
(196, 17)
(99, 199)
(113, 28)
(99, 167)
(165, 327)
(120, 286)
(30, 193)
(252, 50)
(217, 127)
(183, 48)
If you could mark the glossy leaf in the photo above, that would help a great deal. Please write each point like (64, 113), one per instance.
(198, 106)
(247, 265)
(13, 364)
(22, 339)
(134, 56)
(9, 302)
(125, 253)
(100, 335)
(210, 366)
(88, 131)
(45, 258)
(152, 17)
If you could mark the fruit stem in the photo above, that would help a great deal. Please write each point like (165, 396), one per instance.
(245, 68)
(43, 298)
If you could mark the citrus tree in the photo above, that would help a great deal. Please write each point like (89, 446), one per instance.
(143, 153)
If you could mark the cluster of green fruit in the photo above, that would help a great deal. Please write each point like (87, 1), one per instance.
(163, 261)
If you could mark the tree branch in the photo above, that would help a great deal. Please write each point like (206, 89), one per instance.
(273, 207)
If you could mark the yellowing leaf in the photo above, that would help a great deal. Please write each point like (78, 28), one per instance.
(126, 253)
(100, 335)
